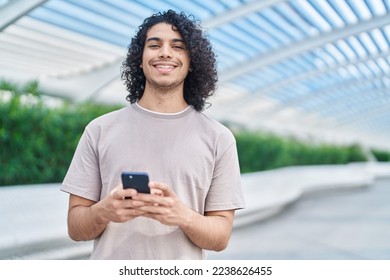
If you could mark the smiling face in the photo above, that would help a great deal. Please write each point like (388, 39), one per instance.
(165, 60)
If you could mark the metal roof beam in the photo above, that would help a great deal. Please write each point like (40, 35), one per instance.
(314, 73)
(16, 9)
(84, 85)
(266, 59)
(241, 11)
(358, 82)
(295, 101)
(328, 124)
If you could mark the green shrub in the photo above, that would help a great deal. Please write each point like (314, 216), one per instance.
(259, 152)
(381, 155)
(37, 141)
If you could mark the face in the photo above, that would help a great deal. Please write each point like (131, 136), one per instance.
(165, 60)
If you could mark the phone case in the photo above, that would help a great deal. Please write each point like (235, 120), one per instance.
(136, 180)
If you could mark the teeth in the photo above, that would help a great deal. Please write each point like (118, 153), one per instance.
(165, 66)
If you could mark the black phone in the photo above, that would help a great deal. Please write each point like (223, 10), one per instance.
(136, 180)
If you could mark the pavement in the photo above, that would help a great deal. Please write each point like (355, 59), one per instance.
(33, 217)
(347, 224)
(269, 192)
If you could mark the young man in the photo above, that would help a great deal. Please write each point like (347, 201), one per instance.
(192, 159)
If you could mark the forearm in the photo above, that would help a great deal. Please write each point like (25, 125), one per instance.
(84, 223)
(87, 219)
(210, 232)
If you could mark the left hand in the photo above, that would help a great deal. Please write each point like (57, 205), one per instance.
(164, 206)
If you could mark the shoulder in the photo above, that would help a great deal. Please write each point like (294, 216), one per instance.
(216, 125)
(109, 118)
(213, 127)
(104, 123)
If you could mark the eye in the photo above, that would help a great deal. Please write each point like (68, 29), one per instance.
(153, 46)
(179, 48)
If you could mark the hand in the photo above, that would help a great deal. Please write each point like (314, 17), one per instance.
(116, 208)
(164, 205)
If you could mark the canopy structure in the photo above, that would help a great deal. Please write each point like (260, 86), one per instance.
(316, 69)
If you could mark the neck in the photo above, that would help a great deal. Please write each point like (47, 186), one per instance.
(169, 101)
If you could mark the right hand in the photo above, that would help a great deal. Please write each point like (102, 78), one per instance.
(116, 208)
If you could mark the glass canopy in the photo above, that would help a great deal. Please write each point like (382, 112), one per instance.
(317, 69)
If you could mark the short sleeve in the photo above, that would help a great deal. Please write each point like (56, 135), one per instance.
(83, 176)
(225, 191)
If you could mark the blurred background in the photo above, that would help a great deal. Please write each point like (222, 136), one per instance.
(302, 83)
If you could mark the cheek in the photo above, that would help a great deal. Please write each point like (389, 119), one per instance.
(185, 60)
(143, 59)
(143, 64)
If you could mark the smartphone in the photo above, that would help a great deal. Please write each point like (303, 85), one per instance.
(136, 180)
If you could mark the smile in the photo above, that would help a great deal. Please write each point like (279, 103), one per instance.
(164, 68)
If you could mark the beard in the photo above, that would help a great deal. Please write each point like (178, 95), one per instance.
(165, 84)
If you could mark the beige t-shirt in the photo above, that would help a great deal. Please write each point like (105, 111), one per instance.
(189, 151)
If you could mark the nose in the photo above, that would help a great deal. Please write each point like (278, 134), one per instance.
(165, 51)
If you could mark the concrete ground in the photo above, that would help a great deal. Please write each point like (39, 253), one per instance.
(331, 225)
(308, 212)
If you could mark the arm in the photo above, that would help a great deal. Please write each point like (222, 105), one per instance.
(210, 231)
(83, 222)
(87, 219)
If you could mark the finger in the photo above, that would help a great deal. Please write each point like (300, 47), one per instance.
(156, 192)
(155, 200)
(152, 210)
(147, 198)
(132, 213)
(135, 204)
(165, 189)
(114, 190)
(121, 193)
(130, 193)
(115, 193)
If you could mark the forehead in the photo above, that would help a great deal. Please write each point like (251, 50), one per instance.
(163, 31)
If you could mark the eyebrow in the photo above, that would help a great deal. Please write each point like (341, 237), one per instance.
(159, 39)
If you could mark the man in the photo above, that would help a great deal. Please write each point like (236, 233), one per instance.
(192, 159)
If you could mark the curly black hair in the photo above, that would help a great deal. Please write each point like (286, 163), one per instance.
(199, 84)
